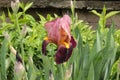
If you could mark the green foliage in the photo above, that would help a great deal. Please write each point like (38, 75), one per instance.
(86, 31)
(104, 16)
(92, 59)
(94, 63)
(102, 22)
(3, 53)
(117, 37)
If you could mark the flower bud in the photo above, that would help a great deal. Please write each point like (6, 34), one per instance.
(15, 6)
(51, 77)
(68, 72)
(24, 31)
(19, 70)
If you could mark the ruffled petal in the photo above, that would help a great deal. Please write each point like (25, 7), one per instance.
(73, 42)
(60, 54)
(44, 45)
(69, 52)
(54, 28)
(63, 54)
(65, 24)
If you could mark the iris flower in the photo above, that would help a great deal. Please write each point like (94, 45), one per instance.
(58, 32)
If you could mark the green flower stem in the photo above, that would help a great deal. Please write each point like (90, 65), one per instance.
(21, 38)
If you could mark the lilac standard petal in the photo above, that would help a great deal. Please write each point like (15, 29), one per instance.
(65, 24)
(53, 28)
(73, 42)
(44, 45)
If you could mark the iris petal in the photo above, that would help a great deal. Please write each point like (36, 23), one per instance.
(44, 45)
(73, 42)
(55, 27)
(60, 55)
(69, 52)
(58, 31)
(63, 54)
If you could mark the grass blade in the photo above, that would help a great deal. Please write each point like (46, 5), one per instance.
(91, 72)
(4, 49)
